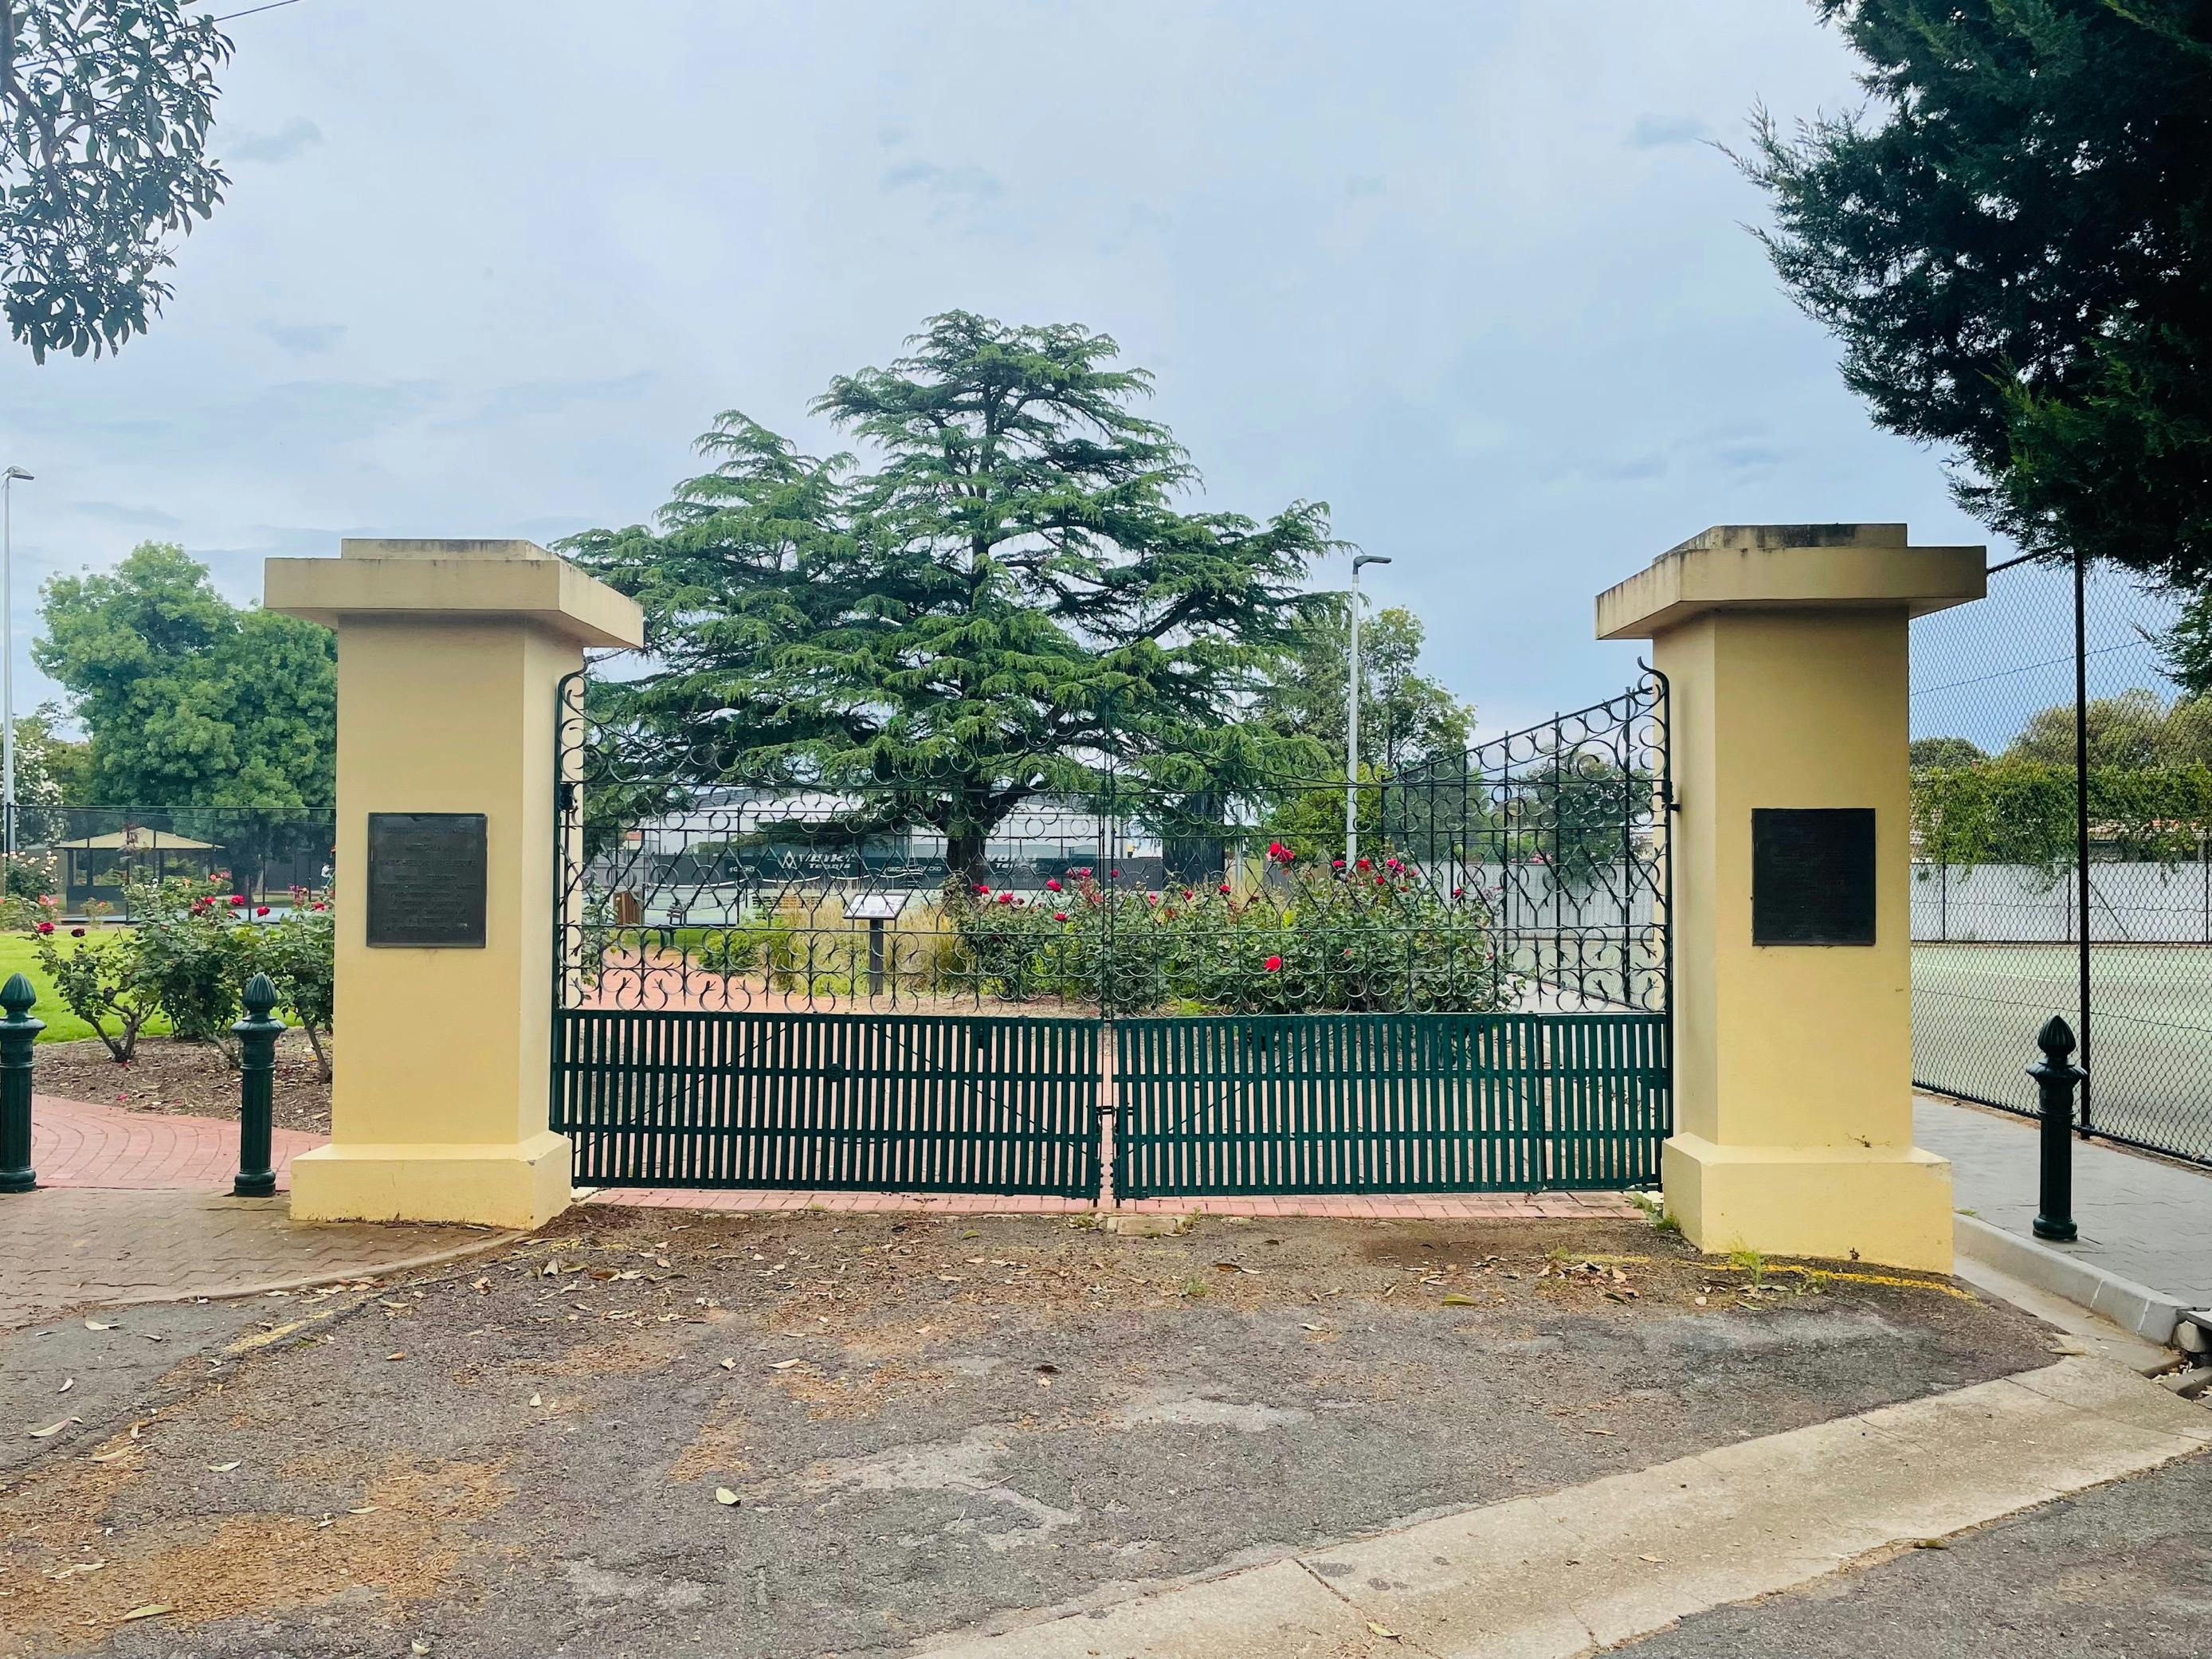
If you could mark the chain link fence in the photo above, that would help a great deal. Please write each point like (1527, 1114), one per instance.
(2062, 796)
(89, 857)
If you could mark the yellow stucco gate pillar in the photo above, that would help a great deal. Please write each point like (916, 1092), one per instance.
(1786, 651)
(449, 655)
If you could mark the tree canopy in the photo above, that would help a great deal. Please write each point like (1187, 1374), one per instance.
(104, 114)
(2149, 785)
(1405, 716)
(1001, 598)
(2011, 243)
(186, 700)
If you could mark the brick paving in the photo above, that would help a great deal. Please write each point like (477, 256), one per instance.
(77, 1143)
(74, 1246)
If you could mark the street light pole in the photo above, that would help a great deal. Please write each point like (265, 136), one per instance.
(8, 480)
(1351, 725)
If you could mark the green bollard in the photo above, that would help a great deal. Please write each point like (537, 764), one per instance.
(2055, 1077)
(18, 1031)
(257, 1036)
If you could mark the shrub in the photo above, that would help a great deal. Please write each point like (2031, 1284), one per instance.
(1375, 937)
(193, 954)
(298, 954)
(98, 980)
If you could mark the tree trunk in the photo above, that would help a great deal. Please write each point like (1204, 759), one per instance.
(963, 855)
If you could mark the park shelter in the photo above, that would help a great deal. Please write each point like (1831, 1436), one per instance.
(97, 866)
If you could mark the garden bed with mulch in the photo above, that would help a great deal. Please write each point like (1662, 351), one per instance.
(192, 1078)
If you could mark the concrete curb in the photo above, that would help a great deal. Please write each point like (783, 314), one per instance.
(2151, 1315)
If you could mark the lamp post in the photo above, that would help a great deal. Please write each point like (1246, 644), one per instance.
(8, 480)
(1352, 726)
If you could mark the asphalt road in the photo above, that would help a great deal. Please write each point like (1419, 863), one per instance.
(650, 1433)
(2121, 1572)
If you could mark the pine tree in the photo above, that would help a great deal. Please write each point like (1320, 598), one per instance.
(2014, 245)
(1009, 602)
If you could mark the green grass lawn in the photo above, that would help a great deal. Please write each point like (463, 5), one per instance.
(19, 956)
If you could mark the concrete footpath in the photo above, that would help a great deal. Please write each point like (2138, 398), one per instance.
(1590, 1566)
(2145, 1251)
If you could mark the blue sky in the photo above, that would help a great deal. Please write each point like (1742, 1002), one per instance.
(1472, 273)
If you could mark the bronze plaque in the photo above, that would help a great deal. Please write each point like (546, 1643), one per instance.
(1812, 875)
(426, 879)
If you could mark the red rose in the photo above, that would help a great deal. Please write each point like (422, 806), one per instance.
(982, 891)
(76, 932)
(238, 901)
(45, 927)
(1052, 885)
(1224, 886)
(1459, 892)
(260, 909)
(1273, 964)
(1060, 916)
(1364, 864)
(1005, 898)
(319, 907)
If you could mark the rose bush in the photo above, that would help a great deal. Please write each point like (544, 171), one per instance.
(1374, 937)
(187, 954)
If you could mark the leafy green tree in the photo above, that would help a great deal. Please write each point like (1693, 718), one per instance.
(1943, 751)
(104, 113)
(1009, 601)
(186, 700)
(2130, 730)
(2186, 650)
(1405, 716)
(2014, 245)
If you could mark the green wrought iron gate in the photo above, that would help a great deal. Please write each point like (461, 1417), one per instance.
(771, 982)
(1389, 1104)
(829, 1102)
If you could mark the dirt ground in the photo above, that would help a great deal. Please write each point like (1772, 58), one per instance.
(194, 1078)
(645, 1433)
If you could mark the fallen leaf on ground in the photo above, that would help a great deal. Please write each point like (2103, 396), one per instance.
(1384, 1631)
(95, 1325)
(66, 1386)
(729, 1364)
(401, 1354)
(152, 1610)
(536, 1399)
(724, 1496)
(221, 1469)
(782, 1364)
(1456, 1300)
(53, 1429)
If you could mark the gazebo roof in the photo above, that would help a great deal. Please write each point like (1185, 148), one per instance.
(150, 840)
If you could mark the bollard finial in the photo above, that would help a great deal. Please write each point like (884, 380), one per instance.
(259, 996)
(2056, 1039)
(17, 996)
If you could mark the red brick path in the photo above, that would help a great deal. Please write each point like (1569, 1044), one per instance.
(75, 1143)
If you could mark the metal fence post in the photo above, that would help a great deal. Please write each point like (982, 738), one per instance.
(2054, 1078)
(18, 1031)
(257, 1034)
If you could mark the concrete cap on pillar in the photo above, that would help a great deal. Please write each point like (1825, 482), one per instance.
(461, 577)
(1789, 567)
